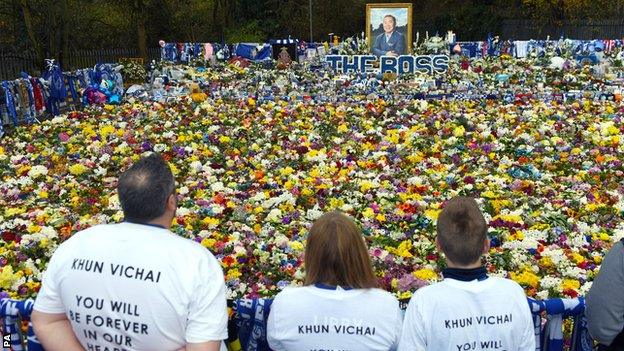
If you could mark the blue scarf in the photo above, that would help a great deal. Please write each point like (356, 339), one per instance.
(12, 311)
(252, 317)
(550, 337)
(10, 102)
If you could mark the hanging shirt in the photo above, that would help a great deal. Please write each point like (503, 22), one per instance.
(521, 48)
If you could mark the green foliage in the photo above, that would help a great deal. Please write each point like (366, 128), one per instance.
(59, 25)
(250, 32)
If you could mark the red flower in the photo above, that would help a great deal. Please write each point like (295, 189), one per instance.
(228, 261)
(8, 236)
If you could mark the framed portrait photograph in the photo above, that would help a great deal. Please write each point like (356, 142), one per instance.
(389, 28)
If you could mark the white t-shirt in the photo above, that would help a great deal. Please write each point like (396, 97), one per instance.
(310, 318)
(135, 287)
(492, 314)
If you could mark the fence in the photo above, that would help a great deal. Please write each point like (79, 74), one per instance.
(11, 65)
(523, 29)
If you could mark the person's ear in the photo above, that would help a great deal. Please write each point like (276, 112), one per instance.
(486, 246)
(172, 202)
(438, 246)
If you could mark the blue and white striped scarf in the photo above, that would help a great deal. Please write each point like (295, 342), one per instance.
(549, 337)
(12, 312)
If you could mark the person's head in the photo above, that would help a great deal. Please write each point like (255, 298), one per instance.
(147, 191)
(389, 23)
(336, 254)
(462, 232)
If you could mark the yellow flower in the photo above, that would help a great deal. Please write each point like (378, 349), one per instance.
(570, 284)
(174, 169)
(45, 242)
(14, 211)
(368, 213)
(526, 278)
(296, 245)
(577, 258)
(381, 218)
(546, 262)
(510, 218)
(224, 139)
(425, 274)
(335, 203)
(77, 169)
(208, 242)
(405, 295)
(33, 229)
(366, 185)
(489, 194)
(106, 130)
(233, 274)
(1, 150)
(210, 221)
(459, 131)
(8, 277)
(432, 214)
(287, 171)
(343, 128)
(402, 250)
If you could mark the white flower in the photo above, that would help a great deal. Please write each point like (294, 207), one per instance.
(160, 147)
(217, 186)
(216, 208)
(274, 215)
(183, 190)
(314, 213)
(182, 211)
(196, 167)
(37, 171)
(114, 203)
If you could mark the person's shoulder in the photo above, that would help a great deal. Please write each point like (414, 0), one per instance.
(290, 291)
(186, 246)
(431, 289)
(506, 284)
(86, 234)
(382, 295)
(291, 295)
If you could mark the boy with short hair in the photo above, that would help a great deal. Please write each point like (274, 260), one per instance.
(467, 310)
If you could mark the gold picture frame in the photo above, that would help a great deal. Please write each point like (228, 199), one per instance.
(402, 12)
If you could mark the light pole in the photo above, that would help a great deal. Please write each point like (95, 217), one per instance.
(311, 38)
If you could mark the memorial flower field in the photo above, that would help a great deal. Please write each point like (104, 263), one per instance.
(253, 175)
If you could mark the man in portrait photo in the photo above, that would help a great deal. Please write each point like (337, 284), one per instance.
(391, 42)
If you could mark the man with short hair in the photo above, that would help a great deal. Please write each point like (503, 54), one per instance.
(133, 285)
(391, 42)
(467, 310)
